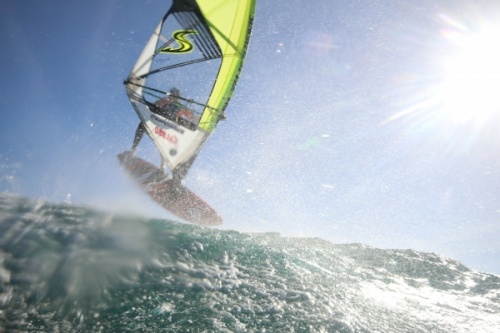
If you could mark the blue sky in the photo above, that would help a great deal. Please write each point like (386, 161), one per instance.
(333, 130)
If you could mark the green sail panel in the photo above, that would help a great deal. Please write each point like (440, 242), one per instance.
(230, 24)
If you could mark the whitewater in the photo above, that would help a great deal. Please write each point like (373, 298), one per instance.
(69, 268)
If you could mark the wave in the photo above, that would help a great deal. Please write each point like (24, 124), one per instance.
(71, 268)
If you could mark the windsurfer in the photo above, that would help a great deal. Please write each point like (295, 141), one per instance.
(167, 106)
(170, 108)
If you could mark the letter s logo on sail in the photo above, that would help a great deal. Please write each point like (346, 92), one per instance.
(184, 45)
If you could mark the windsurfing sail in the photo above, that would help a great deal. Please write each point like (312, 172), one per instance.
(186, 74)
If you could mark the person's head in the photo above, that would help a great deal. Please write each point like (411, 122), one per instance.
(175, 92)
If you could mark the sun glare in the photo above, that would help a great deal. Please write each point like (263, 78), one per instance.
(470, 89)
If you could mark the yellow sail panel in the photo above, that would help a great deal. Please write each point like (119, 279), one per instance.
(230, 23)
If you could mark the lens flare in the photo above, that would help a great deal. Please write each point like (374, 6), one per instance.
(470, 89)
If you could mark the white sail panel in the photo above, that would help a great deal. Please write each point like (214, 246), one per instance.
(175, 143)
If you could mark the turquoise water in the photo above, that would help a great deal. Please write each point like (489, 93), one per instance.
(66, 268)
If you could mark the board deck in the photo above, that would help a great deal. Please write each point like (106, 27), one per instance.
(172, 196)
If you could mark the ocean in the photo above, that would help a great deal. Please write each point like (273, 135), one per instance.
(69, 268)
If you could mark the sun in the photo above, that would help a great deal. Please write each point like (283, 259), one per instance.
(470, 88)
(467, 89)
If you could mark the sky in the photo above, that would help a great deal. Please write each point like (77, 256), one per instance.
(356, 122)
